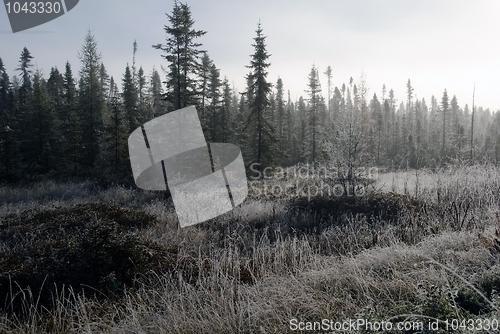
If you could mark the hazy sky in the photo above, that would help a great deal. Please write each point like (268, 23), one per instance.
(437, 44)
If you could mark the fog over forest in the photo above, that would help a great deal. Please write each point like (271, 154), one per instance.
(75, 120)
(357, 204)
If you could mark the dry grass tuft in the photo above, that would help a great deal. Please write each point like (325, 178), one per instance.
(431, 251)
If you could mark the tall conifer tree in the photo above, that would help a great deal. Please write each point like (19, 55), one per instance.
(25, 69)
(215, 103)
(91, 100)
(260, 131)
(445, 104)
(129, 96)
(156, 93)
(314, 102)
(8, 147)
(38, 122)
(226, 115)
(181, 51)
(280, 113)
(116, 134)
(70, 123)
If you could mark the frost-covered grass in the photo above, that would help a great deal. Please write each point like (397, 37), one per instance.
(478, 183)
(433, 253)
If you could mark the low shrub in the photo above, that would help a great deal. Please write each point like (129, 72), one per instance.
(92, 245)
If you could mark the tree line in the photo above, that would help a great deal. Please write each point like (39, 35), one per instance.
(77, 126)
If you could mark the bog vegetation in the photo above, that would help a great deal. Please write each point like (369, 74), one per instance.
(76, 257)
(83, 250)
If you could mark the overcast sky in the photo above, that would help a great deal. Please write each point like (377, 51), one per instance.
(437, 44)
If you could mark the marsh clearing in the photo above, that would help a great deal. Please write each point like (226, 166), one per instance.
(430, 252)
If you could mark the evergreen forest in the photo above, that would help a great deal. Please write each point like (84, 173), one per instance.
(75, 122)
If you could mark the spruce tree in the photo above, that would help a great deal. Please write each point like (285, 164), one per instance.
(239, 122)
(8, 147)
(328, 74)
(458, 129)
(116, 135)
(288, 132)
(387, 126)
(24, 93)
(129, 97)
(55, 91)
(409, 107)
(91, 100)
(25, 69)
(141, 98)
(39, 157)
(260, 131)
(280, 114)
(314, 103)
(377, 118)
(445, 104)
(435, 128)
(104, 80)
(156, 93)
(226, 114)
(182, 53)
(70, 124)
(302, 131)
(392, 106)
(55, 88)
(215, 103)
(204, 79)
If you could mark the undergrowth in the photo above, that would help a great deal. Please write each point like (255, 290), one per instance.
(115, 261)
